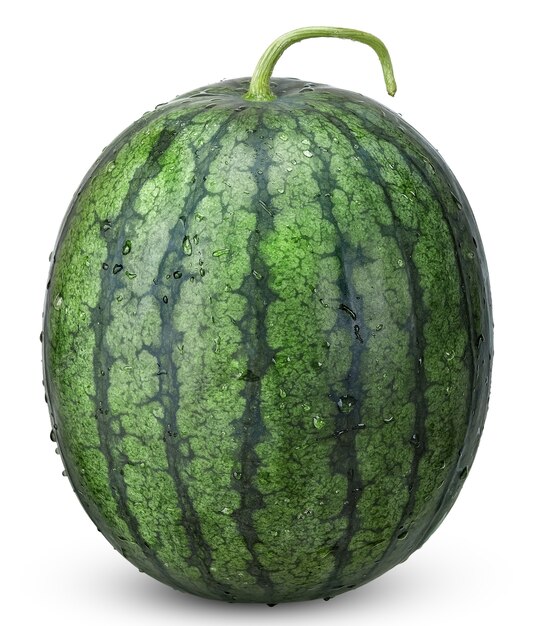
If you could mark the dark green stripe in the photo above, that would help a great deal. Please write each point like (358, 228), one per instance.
(406, 239)
(417, 348)
(438, 195)
(343, 459)
(260, 357)
(299, 525)
(210, 358)
(455, 237)
(175, 254)
(101, 317)
(417, 322)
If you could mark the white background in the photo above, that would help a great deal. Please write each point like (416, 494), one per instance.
(73, 75)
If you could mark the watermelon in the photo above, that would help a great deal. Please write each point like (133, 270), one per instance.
(267, 338)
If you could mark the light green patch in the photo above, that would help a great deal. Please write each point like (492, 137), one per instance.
(297, 527)
(419, 225)
(383, 453)
(211, 357)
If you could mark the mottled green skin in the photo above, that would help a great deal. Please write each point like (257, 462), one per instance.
(267, 342)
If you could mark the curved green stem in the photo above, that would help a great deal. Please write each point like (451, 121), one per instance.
(259, 84)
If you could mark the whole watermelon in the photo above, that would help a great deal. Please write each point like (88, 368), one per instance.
(267, 341)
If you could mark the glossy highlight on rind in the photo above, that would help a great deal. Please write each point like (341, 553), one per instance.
(267, 342)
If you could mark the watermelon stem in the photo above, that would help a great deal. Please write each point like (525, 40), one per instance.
(260, 89)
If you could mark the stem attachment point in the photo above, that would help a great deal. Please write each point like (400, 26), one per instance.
(260, 89)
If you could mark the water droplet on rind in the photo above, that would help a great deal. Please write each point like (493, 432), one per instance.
(318, 422)
(345, 404)
(458, 202)
(58, 302)
(346, 309)
(186, 246)
(127, 247)
(415, 441)
(249, 376)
